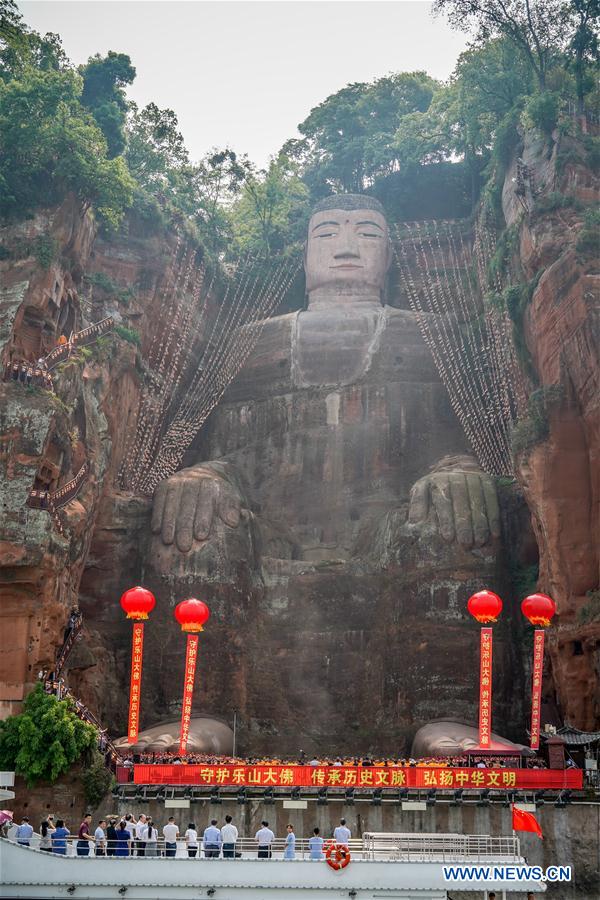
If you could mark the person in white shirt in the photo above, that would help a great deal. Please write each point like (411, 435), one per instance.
(130, 826)
(100, 838)
(229, 835)
(170, 834)
(342, 834)
(151, 839)
(264, 838)
(191, 839)
(140, 836)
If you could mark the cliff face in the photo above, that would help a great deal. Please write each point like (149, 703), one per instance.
(322, 590)
(57, 275)
(560, 472)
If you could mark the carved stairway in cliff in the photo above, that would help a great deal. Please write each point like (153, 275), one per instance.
(80, 339)
(73, 632)
(52, 501)
(444, 272)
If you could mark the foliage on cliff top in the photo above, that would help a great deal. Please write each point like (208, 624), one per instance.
(45, 740)
(50, 144)
(426, 149)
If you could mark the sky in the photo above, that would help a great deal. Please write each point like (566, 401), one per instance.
(245, 74)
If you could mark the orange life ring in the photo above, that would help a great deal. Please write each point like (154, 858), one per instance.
(337, 855)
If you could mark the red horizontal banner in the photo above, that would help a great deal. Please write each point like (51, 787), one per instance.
(358, 777)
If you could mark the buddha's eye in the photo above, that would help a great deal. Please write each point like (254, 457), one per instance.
(368, 234)
(327, 234)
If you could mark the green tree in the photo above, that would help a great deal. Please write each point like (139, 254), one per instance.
(50, 146)
(583, 16)
(155, 145)
(466, 115)
(104, 80)
(11, 21)
(349, 138)
(271, 205)
(535, 27)
(45, 740)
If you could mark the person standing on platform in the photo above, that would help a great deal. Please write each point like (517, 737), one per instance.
(212, 841)
(24, 832)
(229, 836)
(84, 838)
(290, 844)
(140, 840)
(264, 838)
(123, 840)
(59, 838)
(151, 839)
(130, 827)
(46, 829)
(111, 838)
(191, 840)
(170, 834)
(342, 833)
(315, 845)
(100, 838)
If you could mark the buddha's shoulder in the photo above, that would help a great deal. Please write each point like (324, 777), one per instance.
(401, 319)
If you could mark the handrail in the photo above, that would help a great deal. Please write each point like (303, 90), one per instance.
(53, 500)
(68, 644)
(81, 338)
(473, 847)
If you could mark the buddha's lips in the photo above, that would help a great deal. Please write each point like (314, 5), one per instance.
(347, 266)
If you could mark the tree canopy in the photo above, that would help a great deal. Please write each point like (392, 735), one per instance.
(104, 79)
(406, 138)
(45, 739)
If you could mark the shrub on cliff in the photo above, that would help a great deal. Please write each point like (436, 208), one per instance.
(97, 781)
(45, 740)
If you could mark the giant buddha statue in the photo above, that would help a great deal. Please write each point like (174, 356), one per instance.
(335, 484)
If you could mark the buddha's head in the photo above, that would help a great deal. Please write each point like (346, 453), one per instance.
(348, 251)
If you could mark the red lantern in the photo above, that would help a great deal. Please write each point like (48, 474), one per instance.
(539, 609)
(137, 602)
(191, 615)
(485, 606)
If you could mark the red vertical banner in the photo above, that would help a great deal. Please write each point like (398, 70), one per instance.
(536, 692)
(188, 689)
(485, 688)
(137, 652)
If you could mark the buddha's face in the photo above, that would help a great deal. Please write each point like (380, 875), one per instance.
(347, 249)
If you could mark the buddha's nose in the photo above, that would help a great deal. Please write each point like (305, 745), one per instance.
(348, 248)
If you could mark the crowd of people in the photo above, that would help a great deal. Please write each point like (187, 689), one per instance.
(30, 374)
(464, 760)
(126, 837)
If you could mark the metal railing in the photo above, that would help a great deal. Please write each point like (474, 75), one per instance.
(441, 847)
(372, 847)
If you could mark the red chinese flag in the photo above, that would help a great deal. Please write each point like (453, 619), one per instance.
(188, 690)
(525, 821)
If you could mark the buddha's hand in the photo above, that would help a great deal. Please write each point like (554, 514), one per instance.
(458, 500)
(187, 505)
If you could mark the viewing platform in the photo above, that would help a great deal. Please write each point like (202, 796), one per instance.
(407, 866)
